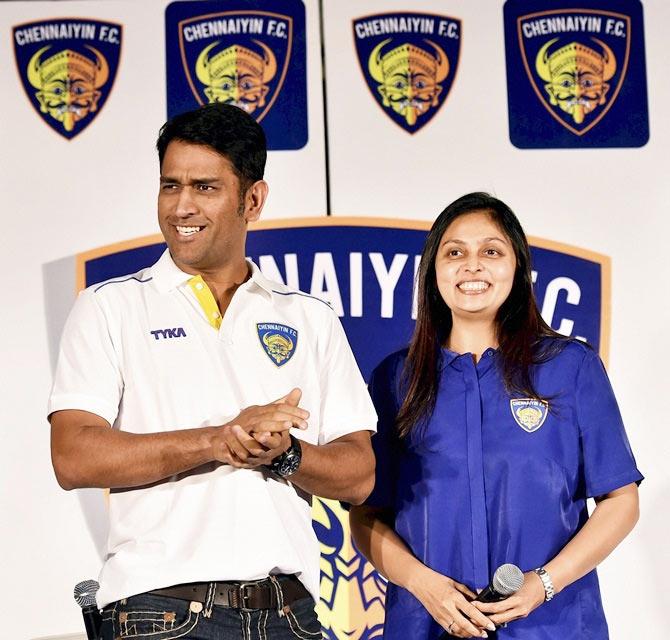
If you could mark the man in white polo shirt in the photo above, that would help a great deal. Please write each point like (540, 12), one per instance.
(214, 403)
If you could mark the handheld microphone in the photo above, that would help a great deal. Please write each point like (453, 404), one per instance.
(84, 595)
(506, 581)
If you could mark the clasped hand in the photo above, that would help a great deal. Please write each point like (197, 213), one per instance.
(450, 604)
(259, 433)
(453, 606)
(520, 605)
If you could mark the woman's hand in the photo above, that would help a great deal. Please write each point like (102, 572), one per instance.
(449, 603)
(520, 605)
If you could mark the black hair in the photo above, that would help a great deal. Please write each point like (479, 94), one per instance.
(519, 326)
(228, 130)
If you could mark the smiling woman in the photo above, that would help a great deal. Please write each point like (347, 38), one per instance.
(493, 432)
(475, 266)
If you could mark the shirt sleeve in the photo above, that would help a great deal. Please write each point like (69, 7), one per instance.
(385, 443)
(345, 403)
(88, 376)
(607, 457)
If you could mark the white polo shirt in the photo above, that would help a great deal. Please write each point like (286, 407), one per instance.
(140, 352)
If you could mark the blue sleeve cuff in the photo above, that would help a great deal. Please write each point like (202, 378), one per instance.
(612, 483)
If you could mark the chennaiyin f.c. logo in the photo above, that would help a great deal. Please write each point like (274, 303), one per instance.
(279, 341)
(67, 68)
(528, 413)
(247, 54)
(576, 70)
(409, 62)
(584, 73)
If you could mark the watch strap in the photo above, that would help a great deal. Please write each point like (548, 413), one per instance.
(549, 591)
(287, 463)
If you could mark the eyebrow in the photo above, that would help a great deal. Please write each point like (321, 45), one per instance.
(490, 239)
(164, 179)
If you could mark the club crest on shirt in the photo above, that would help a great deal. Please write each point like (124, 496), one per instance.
(529, 414)
(409, 62)
(67, 68)
(279, 341)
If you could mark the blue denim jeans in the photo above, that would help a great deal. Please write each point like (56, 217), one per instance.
(150, 617)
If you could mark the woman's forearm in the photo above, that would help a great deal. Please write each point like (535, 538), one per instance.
(447, 601)
(612, 520)
(382, 546)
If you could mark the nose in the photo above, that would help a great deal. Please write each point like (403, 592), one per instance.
(186, 204)
(472, 263)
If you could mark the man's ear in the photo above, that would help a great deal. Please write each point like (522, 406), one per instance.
(254, 199)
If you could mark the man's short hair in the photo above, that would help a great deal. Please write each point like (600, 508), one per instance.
(228, 130)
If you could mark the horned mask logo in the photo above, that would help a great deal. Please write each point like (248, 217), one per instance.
(576, 76)
(237, 75)
(409, 62)
(576, 61)
(67, 67)
(409, 77)
(68, 83)
(236, 57)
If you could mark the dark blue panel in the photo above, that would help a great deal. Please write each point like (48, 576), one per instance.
(251, 53)
(576, 73)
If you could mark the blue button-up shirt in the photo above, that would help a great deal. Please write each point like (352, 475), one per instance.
(493, 478)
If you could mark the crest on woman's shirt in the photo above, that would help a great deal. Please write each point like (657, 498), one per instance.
(529, 414)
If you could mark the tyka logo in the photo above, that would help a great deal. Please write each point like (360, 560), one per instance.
(177, 332)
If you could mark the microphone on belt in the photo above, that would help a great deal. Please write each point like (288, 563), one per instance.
(506, 581)
(84, 595)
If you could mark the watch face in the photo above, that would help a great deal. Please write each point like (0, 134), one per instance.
(289, 465)
(288, 462)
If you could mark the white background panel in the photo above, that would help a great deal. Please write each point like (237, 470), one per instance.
(61, 198)
(613, 201)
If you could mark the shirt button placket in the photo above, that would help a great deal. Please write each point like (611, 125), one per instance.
(480, 551)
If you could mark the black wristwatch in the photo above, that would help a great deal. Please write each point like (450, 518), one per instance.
(287, 463)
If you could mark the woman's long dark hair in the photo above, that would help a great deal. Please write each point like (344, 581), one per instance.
(519, 325)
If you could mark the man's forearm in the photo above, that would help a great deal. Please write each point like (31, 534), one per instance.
(98, 456)
(340, 470)
(87, 452)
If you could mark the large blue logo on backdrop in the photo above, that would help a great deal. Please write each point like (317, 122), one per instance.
(248, 53)
(67, 67)
(576, 73)
(365, 269)
(409, 61)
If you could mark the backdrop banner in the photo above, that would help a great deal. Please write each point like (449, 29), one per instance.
(365, 268)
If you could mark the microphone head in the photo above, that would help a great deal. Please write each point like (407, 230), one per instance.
(507, 579)
(84, 593)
